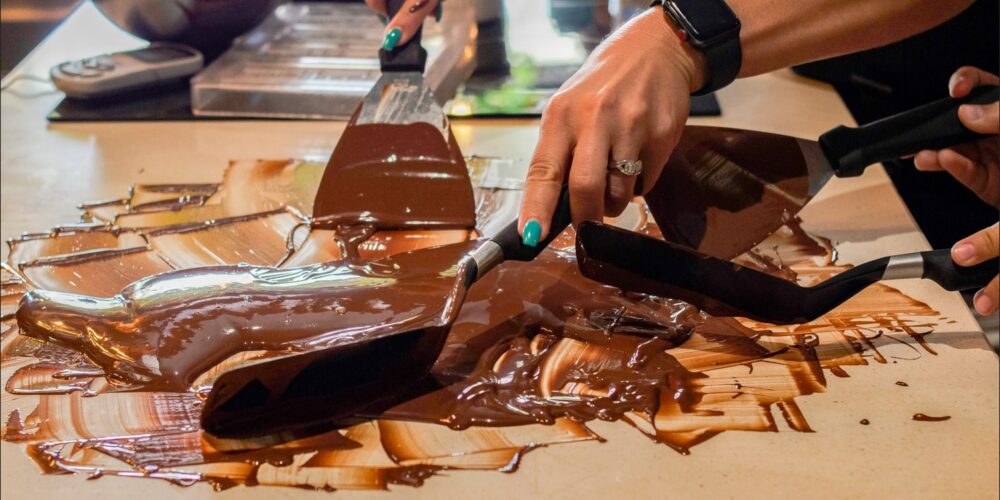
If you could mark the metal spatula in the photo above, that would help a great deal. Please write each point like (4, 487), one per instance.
(397, 165)
(314, 390)
(725, 190)
(638, 263)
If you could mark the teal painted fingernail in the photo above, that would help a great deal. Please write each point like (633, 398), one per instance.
(392, 38)
(532, 232)
(384, 20)
(437, 12)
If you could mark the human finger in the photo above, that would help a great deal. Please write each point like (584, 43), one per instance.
(588, 176)
(927, 161)
(978, 248)
(986, 300)
(966, 78)
(963, 169)
(545, 179)
(981, 118)
(407, 21)
(621, 187)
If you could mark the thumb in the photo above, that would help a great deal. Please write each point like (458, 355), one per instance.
(980, 247)
(981, 118)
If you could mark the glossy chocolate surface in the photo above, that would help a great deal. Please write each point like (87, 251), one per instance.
(396, 177)
(115, 387)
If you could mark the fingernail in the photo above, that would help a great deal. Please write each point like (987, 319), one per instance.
(532, 232)
(383, 19)
(437, 12)
(957, 86)
(972, 112)
(963, 252)
(983, 303)
(392, 38)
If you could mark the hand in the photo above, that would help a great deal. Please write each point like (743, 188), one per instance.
(407, 21)
(976, 165)
(629, 101)
(973, 250)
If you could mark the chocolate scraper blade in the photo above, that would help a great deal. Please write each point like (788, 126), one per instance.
(725, 190)
(397, 157)
(292, 395)
(639, 263)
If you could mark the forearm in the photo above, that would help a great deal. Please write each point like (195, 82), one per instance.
(781, 33)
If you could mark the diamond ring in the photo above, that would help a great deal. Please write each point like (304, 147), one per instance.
(630, 168)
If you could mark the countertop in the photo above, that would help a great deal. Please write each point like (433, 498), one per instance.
(48, 169)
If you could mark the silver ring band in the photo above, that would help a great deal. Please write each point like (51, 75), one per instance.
(630, 168)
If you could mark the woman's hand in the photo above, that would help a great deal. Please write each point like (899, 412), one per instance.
(629, 101)
(973, 250)
(407, 21)
(976, 165)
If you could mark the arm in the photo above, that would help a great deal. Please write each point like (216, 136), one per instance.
(630, 99)
(781, 33)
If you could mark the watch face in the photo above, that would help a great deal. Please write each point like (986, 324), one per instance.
(704, 20)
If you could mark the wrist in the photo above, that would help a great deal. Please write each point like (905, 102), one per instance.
(690, 62)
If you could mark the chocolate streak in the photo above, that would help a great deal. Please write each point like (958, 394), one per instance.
(533, 343)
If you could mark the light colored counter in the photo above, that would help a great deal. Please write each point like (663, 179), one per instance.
(48, 168)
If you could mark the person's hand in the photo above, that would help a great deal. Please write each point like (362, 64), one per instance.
(407, 21)
(976, 165)
(973, 250)
(628, 101)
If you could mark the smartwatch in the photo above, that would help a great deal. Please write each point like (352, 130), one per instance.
(711, 28)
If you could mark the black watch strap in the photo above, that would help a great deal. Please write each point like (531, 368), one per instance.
(723, 61)
(723, 55)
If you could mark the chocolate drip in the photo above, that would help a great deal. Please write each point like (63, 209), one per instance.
(920, 417)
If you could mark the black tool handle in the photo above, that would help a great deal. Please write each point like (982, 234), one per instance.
(931, 126)
(939, 267)
(407, 57)
(510, 241)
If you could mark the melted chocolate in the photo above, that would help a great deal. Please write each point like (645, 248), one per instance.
(396, 177)
(920, 417)
(164, 331)
(533, 343)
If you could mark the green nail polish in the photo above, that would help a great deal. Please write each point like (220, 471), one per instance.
(392, 38)
(384, 20)
(532, 232)
(437, 12)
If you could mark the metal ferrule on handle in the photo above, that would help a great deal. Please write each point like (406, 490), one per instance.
(486, 257)
(938, 266)
(905, 266)
(507, 244)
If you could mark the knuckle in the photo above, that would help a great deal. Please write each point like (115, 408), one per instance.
(586, 184)
(544, 170)
(599, 103)
(631, 114)
(557, 106)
